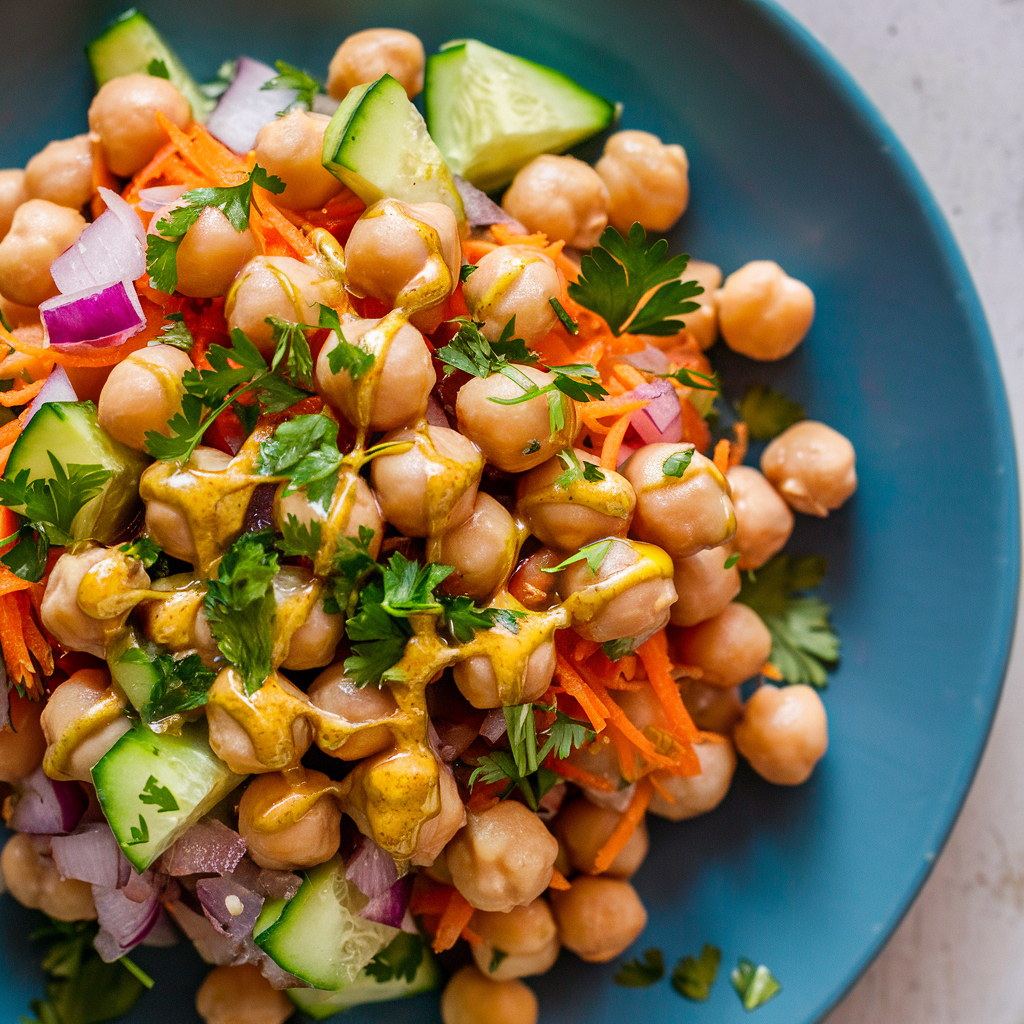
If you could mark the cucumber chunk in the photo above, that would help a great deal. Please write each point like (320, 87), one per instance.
(491, 113)
(377, 144)
(129, 46)
(130, 660)
(318, 936)
(368, 989)
(71, 431)
(154, 786)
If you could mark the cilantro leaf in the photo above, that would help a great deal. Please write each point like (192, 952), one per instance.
(182, 684)
(397, 961)
(678, 462)
(300, 539)
(157, 68)
(158, 796)
(593, 554)
(767, 413)
(754, 984)
(176, 333)
(694, 379)
(617, 274)
(693, 977)
(144, 550)
(291, 77)
(353, 564)
(292, 348)
(638, 973)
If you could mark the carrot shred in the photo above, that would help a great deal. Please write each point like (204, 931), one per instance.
(626, 826)
(593, 412)
(658, 665)
(20, 669)
(573, 773)
(37, 644)
(22, 395)
(625, 752)
(738, 451)
(613, 442)
(629, 375)
(628, 729)
(584, 649)
(454, 919)
(771, 671)
(574, 684)
(558, 881)
(660, 789)
(722, 456)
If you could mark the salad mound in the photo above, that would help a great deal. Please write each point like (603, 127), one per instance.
(376, 557)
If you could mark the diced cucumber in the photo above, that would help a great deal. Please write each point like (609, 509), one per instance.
(318, 936)
(491, 113)
(152, 787)
(129, 46)
(367, 989)
(378, 145)
(130, 659)
(71, 431)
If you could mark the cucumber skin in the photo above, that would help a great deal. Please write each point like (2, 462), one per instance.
(136, 679)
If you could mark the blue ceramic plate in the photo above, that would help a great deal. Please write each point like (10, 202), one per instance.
(788, 162)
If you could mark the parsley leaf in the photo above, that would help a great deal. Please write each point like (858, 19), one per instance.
(469, 350)
(305, 449)
(574, 469)
(592, 553)
(353, 564)
(354, 359)
(767, 413)
(292, 348)
(804, 645)
(638, 973)
(158, 68)
(619, 272)
(300, 539)
(498, 957)
(564, 736)
(144, 550)
(291, 77)
(693, 977)
(27, 559)
(678, 462)
(467, 270)
(182, 684)
(521, 726)
(399, 960)
(409, 587)
(500, 766)
(578, 382)
(616, 650)
(567, 321)
(158, 796)
(176, 333)
(694, 379)
(378, 638)
(731, 560)
(465, 619)
(754, 984)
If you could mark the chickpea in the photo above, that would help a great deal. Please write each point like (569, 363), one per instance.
(502, 858)
(402, 384)
(432, 487)
(598, 917)
(22, 747)
(482, 550)
(12, 194)
(515, 438)
(18, 315)
(291, 148)
(437, 832)
(204, 643)
(682, 514)
(526, 935)
(333, 691)
(730, 648)
(783, 733)
(471, 997)
(123, 117)
(488, 683)
(712, 708)
(599, 759)
(763, 520)
(40, 231)
(368, 55)
(639, 576)
(210, 254)
(514, 281)
(62, 173)
(364, 511)
(812, 466)
(571, 516)
(762, 312)
(406, 254)
(561, 196)
(314, 642)
(647, 181)
(584, 828)
(142, 393)
(241, 995)
(33, 880)
(703, 323)
(704, 585)
(697, 794)
(66, 706)
(311, 839)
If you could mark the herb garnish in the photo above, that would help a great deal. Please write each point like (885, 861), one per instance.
(567, 321)
(693, 977)
(397, 961)
(182, 684)
(616, 650)
(144, 550)
(694, 379)
(754, 984)
(574, 469)
(638, 973)
(290, 77)
(470, 351)
(678, 462)
(158, 796)
(594, 555)
(767, 413)
(157, 69)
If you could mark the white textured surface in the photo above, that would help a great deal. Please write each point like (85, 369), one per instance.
(948, 75)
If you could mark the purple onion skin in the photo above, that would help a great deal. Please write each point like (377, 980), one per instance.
(47, 807)
(389, 908)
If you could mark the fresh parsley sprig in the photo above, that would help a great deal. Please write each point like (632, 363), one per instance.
(182, 684)
(579, 382)
(754, 983)
(290, 77)
(637, 973)
(593, 554)
(176, 333)
(694, 379)
(694, 976)
(144, 550)
(470, 351)
(767, 412)
(574, 470)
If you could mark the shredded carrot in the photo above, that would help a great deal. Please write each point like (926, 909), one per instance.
(738, 451)
(630, 376)
(103, 357)
(628, 729)
(625, 752)
(660, 789)
(593, 412)
(613, 442)
(627, 825)
(475, 249)
(21, 396)
(575, 686)
(20, 670)
(722, 456)
(455, 917)
(37, 644)
(770, 671)
(658, 665)
(558, 881)
(573, 773)
(584, 649)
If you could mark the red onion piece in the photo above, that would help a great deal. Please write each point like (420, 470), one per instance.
(435, 414)
(94, 318)
(156, 198)
(91, 854)
(662, 419)
(281, 885)
(389, 907)
(370, 869)
(625, 451)
(482, 211)
(453, 737)
(211, 945)
(47, 807)
(246, 107)
(231, 908)
(56, 389)
(124, 923)
(208, 847)
(651, 360)
(494, 726)
(163, 933)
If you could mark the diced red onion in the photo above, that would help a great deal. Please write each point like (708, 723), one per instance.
(246, 107)
(651, 360)
(159, 196)
(208, 847)
(231, 908)
(140, 888)
(47, 807)
(95, 318)
(617, 801)
(389, 907)
(551, 802)
(56, 389)
(625, 451)
(281, 885)
(435, 414)
(662, 419)
(123, 922)
(494, 725)
(91, 854)
(163, 933)
(453, 737)
(482, 211)
(370, 869)
(211, 945)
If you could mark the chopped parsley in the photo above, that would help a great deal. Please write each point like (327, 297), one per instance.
(176, 333)
(579, 382)
(567, 321)
(345, 356)
(593, 554)
(694, 976)
(304, 449)
(291, 347)
(144, 550)
(290, 77)
(767, 413)
(182, 684)
(637, 973)
(616, 650)
(731, 560)
(694, 379)
(574, 469)
(353, 565)
(397, 961)
(466, 272)
(300, 539)
(754, 984)
(158, 69)
(678, 462)
(471, 352)
(158, 796)
(498, 957)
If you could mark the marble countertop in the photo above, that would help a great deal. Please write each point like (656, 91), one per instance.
(948, 75)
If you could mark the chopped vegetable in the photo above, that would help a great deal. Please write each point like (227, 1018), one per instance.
(767, 412)
(694, 977)
(754, 984)
(637, 973)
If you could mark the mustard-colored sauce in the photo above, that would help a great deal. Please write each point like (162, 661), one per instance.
(106, 710)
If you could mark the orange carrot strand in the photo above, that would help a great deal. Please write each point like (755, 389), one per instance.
(456, 916)
(626, 827)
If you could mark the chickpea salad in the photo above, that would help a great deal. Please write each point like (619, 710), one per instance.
(376, 557)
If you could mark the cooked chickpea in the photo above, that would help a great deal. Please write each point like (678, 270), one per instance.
(598, 917)
(432, 487)
(697, 794)
(401, 384)
(335, 692)
(783, 733)
(62, 173)
(210, 254)
(23, 745)
(313, 838)
(515, 438)
(67, 705)
(33, 880)
(730, 648)
(561, 196)
(408, 255)
(241, 995)
(647, 181)
(123, 117)
(142, 393)
(278, 286)
(702, 323)
(584, 828)
(12, 194)
(567, 517)
(502, 858)
(368, 55)
(40, 231)
(762, 312)
(712, 708)
(513, 281)
(640, 578)
(316, 639)
(437, 832)
(471, 997)
(763, 520)
(812, 466)
(203, 642)
(291, 148)
(18, 315)
(526, 935)
(482, 550)
(682, 514)
(513, 682)
(599, 758)
(704, 585)
(364, 512)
